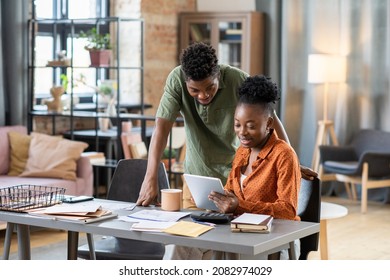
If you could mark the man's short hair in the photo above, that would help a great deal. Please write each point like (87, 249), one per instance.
(199, 61)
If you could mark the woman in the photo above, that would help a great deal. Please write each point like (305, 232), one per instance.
(265, 175)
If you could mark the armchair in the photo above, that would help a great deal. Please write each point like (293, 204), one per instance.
(366, 161)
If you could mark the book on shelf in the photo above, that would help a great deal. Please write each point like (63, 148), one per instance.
(95, 157)
(249, 222)
(234, 31)
(233, 34)
(196, 33)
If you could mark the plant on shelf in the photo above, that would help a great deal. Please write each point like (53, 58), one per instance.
(107, 91)
(99, 47)
(64, 81)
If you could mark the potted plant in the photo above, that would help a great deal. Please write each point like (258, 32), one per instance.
(168, 155)
(99, 47)
(107, 92)
(66, 98)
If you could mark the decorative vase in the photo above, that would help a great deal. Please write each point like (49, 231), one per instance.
(66, 101)
(54, 104)
(111, 110)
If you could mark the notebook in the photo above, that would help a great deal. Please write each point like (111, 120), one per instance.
(200, 187)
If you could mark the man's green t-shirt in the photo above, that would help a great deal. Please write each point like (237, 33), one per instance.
(211, 142)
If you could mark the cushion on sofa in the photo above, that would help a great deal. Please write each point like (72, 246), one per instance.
(4, 145)
(19, 144)
(53, 157)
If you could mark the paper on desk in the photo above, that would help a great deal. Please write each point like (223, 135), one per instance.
(158, 215)
(190, 229)
(151, 226)
(72, 208)
(117, 205)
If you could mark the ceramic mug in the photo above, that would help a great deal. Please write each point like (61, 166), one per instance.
(171, 199)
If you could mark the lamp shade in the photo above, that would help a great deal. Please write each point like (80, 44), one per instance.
(325, 68)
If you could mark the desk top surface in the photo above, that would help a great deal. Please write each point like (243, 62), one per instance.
(220, 238)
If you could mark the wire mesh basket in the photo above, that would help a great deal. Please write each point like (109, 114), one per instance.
(24, 197)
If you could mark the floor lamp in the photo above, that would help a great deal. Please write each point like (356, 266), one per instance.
(325, 69)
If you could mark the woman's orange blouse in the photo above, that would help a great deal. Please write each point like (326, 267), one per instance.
(273, 186)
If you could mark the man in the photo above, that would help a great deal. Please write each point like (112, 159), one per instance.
(205, 93)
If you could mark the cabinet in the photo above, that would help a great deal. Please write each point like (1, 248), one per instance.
(237, 37)
(82, 109)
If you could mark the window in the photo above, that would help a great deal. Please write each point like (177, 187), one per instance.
(60, 35)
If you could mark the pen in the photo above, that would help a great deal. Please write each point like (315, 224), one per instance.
(204, 223)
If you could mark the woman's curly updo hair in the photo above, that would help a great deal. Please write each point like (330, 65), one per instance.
(199, 61)
(259, 90)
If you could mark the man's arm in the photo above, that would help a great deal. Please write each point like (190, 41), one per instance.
(306, 172)
(149, 189)
(279, 128)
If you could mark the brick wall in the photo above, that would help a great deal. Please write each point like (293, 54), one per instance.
(161, 52)
(161, 43)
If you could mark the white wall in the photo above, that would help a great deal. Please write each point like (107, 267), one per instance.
(226, 5)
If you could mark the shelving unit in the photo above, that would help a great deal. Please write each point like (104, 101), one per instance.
(237, 37)
(126, 68)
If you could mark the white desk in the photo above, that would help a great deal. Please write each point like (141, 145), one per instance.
(328, 211)
(220, 239)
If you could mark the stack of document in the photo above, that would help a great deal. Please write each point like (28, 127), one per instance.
(158, 215)
(78, 212)
(248, 222)
(154, 220)
(166, 221)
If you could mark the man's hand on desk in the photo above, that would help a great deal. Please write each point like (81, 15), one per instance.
(148, 193)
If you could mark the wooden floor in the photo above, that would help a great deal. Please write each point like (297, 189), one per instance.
(354, 237)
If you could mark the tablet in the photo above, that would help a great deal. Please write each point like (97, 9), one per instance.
(200, 187)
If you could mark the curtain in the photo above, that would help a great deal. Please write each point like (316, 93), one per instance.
(13, 64)
(357, 29)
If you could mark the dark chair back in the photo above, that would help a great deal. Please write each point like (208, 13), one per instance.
(128, 177)
(371, 140)
(309, 209)
(125, 186)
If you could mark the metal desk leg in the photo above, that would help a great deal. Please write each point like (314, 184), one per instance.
(24, 248)
(7, 240)
(91, 246)
(291, 251)
(73, 243)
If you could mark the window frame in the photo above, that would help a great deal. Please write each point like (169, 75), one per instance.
(65, 28)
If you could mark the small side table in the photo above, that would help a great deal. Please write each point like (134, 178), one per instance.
(328, 211)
